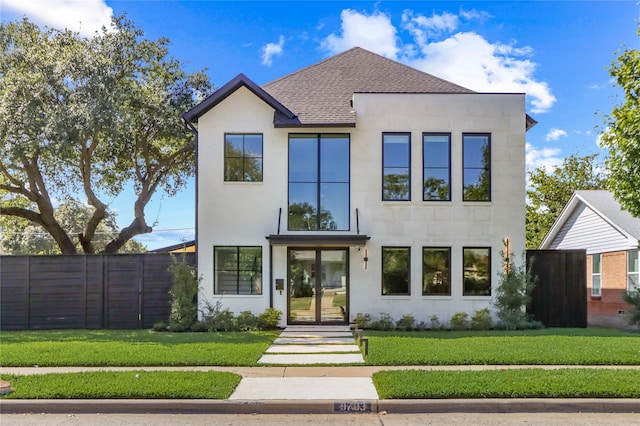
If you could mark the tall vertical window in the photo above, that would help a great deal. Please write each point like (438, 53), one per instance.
(596, 275)
(396, 167)
(633, 270)
(318, 182)
(395, 271)
(237, 270)
(436, 271)
(476, 165)
(476, 271)
(436, 163)
(242, 157)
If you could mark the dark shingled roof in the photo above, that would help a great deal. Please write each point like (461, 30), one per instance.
(321, 94)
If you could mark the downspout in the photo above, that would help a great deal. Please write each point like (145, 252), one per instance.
(191, 128)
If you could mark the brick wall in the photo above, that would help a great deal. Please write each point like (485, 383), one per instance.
(605, 310)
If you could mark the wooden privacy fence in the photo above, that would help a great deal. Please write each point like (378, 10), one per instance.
(123, 291)
(560, 296)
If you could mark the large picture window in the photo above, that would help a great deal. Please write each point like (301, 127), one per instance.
(237, 270)
(476, 165)
(396, 167)
(476, 271)
(242, 157)
(436, 161)
(633, 270)
(436, 271)
(318, 182)
(596, 275)
(395, 271)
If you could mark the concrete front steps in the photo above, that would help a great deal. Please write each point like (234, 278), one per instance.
(310, 345)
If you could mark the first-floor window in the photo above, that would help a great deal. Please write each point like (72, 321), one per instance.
(477, 271)
(395, 271)
(633, 270)
(237, 270)
(596, 275)
(436, 272)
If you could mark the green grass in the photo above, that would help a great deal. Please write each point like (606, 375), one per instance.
(130, 384)
(523, 383)
(546, 347)
(300, 304)
(339, 300)
(131, 348)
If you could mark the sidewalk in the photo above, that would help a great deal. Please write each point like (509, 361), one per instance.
(312, 389)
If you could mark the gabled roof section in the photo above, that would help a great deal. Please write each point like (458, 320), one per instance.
(223, 92)
(321, 94)
(604, 205)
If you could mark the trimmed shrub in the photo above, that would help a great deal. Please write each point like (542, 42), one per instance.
(406, 323)
(460, 321)
(247, 321)
(362, 320)
(385, 322)
(481, 320)
(269, 319)
(513, 295)
(160, 326)
(216, 318)
(435, 323)
(184, 295)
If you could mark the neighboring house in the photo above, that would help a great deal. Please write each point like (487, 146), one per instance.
(367, 183)
(594, 221)
(184, 247)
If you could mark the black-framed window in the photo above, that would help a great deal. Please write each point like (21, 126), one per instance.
(318, 182)
(476, 167)
(237, 269)
(476, 271)
(243, 157)
(396, 166)
(436, 271)
(396, 267)
(436, 163)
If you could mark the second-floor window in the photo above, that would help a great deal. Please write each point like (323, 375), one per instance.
(242, 157)
(396, 169)
(318, 182)
(436, 163)
(476, 166)
(596, 275)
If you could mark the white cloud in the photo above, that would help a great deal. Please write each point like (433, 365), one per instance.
(464, 58)
(555, 134)
(271, 50)
(475, 15)
(546, 158)
(373, 32)
(83, 16)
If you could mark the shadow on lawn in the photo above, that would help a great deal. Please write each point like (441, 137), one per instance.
(447, 334)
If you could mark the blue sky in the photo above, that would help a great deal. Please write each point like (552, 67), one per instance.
(555, 51)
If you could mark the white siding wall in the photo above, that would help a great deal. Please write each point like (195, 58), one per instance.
(244, 213)
(585, 229)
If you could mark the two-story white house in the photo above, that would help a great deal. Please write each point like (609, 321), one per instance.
(357, 185)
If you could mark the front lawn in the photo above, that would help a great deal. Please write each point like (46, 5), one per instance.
(129, 384)
(517, 383)
(55, 348)
(546, 347)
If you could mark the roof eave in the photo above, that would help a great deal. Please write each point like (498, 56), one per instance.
(226, 90)
(529, 122)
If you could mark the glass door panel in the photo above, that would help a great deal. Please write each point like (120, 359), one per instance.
(333, 286)
(302, 286)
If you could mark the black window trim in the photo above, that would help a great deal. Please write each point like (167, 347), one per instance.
(488, 135)
(449, 250)
(489, 275)
(408, 249)
(449, 167)
(224, 156)
(383, 165)
(215, 277)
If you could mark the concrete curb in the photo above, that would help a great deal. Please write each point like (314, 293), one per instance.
(199, 406)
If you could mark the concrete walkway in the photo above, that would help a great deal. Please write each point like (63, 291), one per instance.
(309, 345)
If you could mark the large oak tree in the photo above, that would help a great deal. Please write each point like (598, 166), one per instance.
(86, 117)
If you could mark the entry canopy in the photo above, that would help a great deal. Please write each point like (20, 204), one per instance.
(315, 240)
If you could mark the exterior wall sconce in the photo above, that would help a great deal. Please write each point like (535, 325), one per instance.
(366, 259)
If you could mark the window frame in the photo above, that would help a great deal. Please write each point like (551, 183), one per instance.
(424, 168)
(488, 168)
(243, 157)
(632, 273)
(237, 271)
(489, 277)
(318, 180)
(384, 166)
(407, 249)
(594, 274)
(432, 248)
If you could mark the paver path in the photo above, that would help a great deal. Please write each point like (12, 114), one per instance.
(309, 345)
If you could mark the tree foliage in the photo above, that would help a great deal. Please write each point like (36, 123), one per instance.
(516, 284)
(91, 116)
(622, 133)
(549, 192)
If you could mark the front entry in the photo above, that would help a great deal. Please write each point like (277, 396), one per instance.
(318, 286)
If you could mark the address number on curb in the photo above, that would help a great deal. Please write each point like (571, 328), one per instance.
(352, 407)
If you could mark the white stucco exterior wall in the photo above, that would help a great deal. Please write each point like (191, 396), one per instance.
(238, 214)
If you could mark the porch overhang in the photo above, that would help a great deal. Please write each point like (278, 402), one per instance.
(314, 240)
